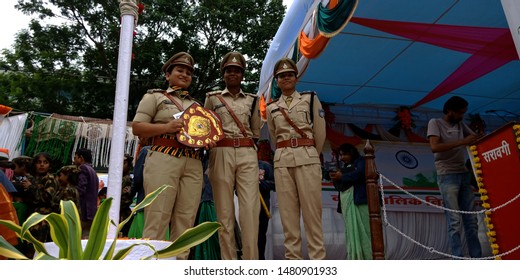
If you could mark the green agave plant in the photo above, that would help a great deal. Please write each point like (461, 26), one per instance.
(65, 229)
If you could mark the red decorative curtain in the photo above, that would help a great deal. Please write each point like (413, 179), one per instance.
(490, 48)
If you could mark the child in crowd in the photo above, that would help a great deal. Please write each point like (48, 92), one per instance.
(22, 165)
(67, 182)
(102, 195)
(40, 193)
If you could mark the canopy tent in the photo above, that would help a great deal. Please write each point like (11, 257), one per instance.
(401, 53)
(368, 59)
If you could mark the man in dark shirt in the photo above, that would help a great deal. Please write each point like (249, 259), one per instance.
(88, 184)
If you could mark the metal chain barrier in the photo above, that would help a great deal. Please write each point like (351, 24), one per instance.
(431, 249)
(447, 209)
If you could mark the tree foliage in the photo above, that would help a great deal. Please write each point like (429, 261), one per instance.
(69, 64)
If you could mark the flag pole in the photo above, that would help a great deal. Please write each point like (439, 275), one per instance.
(119, 129)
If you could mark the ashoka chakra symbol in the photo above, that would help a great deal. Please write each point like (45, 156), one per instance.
(406, 159)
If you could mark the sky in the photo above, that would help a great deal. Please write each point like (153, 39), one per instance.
(13, 21)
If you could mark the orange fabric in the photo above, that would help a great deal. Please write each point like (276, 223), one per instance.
(4, 110)
(7, 212)
(263, 108)
(312, 48)
(333, 3)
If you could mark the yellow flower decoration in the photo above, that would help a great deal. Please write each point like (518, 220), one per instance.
(478, 165)
(486, 205)
(473, 148)
(479, 179)
(484, 197)
(481, 190)
(491, 233)
(476, 159)
(490, 226)
(478, 172)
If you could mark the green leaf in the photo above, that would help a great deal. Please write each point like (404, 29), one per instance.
(38, 246)
(191, 237)
(98, 232)
(59, 232)
(33, 220)
(110, 252)
(146, 201)
(124, 252)
(9, 251)
(45, 257)
(71, 215)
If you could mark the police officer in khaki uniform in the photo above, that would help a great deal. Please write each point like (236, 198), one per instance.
(233, 164)
(297, 126)
(168, 161)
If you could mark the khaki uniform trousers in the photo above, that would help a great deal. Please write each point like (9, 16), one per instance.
(300, 188)
(177, 206)
(229, 168)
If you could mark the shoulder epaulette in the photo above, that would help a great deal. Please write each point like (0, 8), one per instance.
(311, 105)
(155, 90)
(213, 93)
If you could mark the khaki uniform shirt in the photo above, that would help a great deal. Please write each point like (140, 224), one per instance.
(241, 106)
(280, 130)
(155, 107)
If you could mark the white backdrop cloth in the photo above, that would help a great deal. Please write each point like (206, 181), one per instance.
(11, 133)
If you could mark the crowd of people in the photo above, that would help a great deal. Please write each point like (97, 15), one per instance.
(36, 187)
(236, 167)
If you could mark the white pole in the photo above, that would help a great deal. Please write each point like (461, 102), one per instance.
(115, 169)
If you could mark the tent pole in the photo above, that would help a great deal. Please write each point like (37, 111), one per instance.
(374, 200)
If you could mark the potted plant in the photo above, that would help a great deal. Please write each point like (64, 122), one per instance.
(65, 229)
